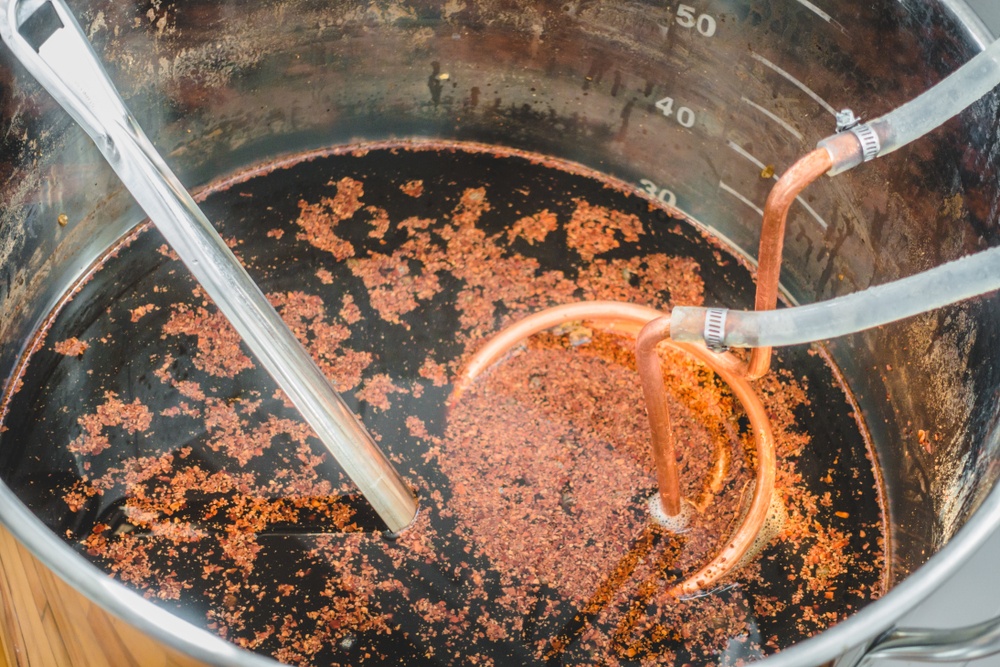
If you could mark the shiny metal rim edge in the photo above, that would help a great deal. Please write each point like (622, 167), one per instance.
(848, 637)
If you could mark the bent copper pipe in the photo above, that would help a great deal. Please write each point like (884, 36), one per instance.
(655, 393)
(661, 432)
(630, 319)
(772, 240)
(656, 330)
(740, 544)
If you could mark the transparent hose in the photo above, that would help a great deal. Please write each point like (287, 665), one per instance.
(949, 283)
(957, 92)
(917, 117)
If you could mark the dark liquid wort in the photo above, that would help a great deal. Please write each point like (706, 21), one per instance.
(143, 434)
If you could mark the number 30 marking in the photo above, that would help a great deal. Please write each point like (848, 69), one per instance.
(663, 194)
(704, 23)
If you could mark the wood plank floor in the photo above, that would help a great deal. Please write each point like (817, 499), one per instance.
(45, 623)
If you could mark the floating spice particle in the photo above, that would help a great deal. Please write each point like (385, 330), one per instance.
(349, 311)
(324, 276)
(376, 391)
(219, 346)
(319, 221)
(379, 221)
(306, 315)
(190, 389)
(435, 372)
(140, 312)
(71, 347)
(416, 426)
(275, 233)
(168, 252)
(415, 224)
(395, 288)
(533, 228)
(134, 417)
(413, 188)
(594, 230)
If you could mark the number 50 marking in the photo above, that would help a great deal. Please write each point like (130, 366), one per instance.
(685, 117)
(686, 18)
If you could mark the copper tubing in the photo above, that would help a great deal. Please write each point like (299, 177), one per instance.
(661, 433)
(631, 319)
(732, 554)
(614, 316)
(656, 330)
(772, 240)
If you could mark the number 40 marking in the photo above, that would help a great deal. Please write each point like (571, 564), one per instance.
(685, 117)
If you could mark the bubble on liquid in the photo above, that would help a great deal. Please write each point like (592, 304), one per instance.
(674, 524)
(773, 523)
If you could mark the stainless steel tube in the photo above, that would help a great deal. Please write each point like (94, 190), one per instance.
(63, 61)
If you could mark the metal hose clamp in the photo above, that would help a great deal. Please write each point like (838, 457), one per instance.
(715, 329)
(868, 138)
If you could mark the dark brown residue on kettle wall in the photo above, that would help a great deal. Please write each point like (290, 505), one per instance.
(153, 444)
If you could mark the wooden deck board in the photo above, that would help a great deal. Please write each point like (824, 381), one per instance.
(44, 622)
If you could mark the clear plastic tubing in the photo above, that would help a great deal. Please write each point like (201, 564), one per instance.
(947, 284)
(919, 116)
(932, 109)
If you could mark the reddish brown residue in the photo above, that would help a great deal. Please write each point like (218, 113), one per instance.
(379, 221)
(134, 417)
(376, 391)
(592, 230)
(306, 316)
(435, 372)
(349, 311)
(71, 347)
(219, 346)
(319, 221)
(137, 314)
(231, 433)
(533, 228)
(643, 280)
(394, 289)
(413, 188)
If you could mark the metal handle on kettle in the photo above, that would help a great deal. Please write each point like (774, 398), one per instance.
(955, 645)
